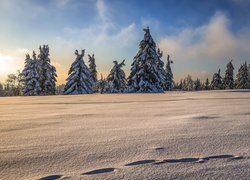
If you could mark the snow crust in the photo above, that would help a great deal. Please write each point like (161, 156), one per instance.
(173, 135)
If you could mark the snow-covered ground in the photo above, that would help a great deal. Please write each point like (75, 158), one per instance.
(176, 135)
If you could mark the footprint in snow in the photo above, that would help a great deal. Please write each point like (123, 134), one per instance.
(52, 177)
(136, 163)
(99, 171)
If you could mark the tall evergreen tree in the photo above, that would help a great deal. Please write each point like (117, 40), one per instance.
(146, 75)
(79, 80)
(169, 74)
(216, 81)
(92, 68)
(31, 76)
(228, 81)
(242, 81)
(117, 78)
(47, 72)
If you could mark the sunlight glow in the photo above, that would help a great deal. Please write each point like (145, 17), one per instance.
(6, 64)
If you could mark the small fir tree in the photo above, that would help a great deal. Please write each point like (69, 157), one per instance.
(197, 85)
(47, 72)
(117, 78)
(79, 80)
(242, 81)
(92, 68)
(207, 84)
(103, 85)
(216, 81)
(228, 81)
(188, 84)
(169, 74)
(31, 76)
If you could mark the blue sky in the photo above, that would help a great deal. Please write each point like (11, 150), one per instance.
(200, 36)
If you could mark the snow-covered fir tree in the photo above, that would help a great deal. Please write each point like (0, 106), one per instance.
(207, 84)
(117, 78)
(188, 84)
(242, 81)
(93, 71)
(169, 74)
(103, 85)
(249, 75)
(79, 80)
(47, 72)
(161, 71)
(31, 76)
(146, 75)
(216, 82)
(228, 81)
(92, 68)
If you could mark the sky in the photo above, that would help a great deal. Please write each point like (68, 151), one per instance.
(199, 36)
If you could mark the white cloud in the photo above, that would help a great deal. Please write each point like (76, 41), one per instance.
(213, 43)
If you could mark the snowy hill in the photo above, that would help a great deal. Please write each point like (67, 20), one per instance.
(175, 135)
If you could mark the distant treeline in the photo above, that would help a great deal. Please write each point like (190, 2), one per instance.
(149, 74)
(218, 82)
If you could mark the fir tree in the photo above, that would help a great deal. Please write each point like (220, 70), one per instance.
(92, 68)
(169, 74)
(1, 90)
(31, 76)
(93, 71)
(197, 85)
(228, 81)
(216, 81)
(249, 75)
(188, 84)
(79, 80)
(117, 78)
(242, 81)
(207, 84)
(146, 76)
(161, 71)
(100, 85)
(47, 72)
(103, 85)
(181, 85)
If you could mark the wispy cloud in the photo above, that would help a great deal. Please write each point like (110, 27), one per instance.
(102, 10)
